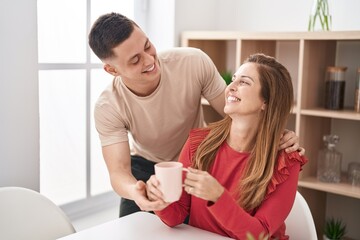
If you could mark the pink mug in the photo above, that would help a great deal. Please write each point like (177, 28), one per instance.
(169, 175)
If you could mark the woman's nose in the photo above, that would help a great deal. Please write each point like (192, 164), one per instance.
(232, 87)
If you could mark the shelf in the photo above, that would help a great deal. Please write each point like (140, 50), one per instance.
(226, 35)
(306, 55)
(340, 114)
(342, 188)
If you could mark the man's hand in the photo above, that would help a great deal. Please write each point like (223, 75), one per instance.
(152, 189)
(144, 203)
(290, 142)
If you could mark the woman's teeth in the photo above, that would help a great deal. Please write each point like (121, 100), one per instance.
(233, 99)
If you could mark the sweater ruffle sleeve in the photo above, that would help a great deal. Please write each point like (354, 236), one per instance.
(196, 137)
(281, 171)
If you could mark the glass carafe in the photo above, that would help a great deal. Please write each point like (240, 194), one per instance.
(329, 161)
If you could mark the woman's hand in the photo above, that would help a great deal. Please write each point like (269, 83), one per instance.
(290, 142)
(202, 185)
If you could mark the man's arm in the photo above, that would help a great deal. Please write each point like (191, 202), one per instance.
(218, 104)
(117, 159)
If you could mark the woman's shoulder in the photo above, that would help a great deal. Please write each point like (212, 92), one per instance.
(199, 132)
(196, 137)
(285, 162)
(288, 159)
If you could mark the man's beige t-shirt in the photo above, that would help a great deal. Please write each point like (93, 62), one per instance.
(160, 123)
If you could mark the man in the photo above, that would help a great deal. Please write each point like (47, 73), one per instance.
(154, 97)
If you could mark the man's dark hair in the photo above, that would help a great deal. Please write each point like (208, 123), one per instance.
(108, 31)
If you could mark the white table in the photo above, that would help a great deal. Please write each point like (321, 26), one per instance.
(141, 226)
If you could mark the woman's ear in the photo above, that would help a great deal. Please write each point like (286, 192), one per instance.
(263, 106)
(108, 68)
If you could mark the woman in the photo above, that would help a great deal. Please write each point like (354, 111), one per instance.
(238, 181)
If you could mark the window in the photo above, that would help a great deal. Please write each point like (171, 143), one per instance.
(70, 80)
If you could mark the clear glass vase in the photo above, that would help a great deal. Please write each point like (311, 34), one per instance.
(320, 16)
(329, 161)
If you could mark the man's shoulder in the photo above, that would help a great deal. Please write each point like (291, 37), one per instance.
(110, 97)
(181, 52)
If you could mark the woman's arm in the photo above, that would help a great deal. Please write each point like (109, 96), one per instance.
(268, 218)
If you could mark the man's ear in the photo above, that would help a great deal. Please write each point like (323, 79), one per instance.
(108, 68)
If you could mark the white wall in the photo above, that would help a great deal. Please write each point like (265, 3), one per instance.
(197, 15)
(157, 19)
(19, 110)
(163, 21)
(283, 15)
(259, 15)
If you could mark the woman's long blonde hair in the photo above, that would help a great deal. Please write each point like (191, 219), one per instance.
(277, 91)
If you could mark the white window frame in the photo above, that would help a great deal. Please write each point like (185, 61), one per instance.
(91, 203)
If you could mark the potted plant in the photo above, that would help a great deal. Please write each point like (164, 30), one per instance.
(262, 236)
(335, 229)
(320, 17)
(227, 76)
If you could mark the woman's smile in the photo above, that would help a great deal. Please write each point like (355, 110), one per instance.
(232, 98)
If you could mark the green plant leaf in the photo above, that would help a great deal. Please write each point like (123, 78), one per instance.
(334, 228)
(262, 236)
(227, 76)
(321, 13)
